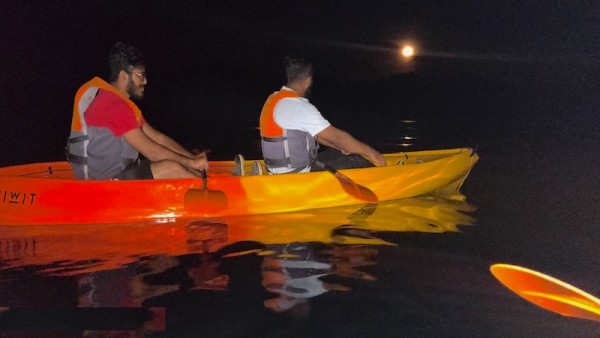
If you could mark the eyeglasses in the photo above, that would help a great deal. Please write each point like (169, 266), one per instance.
(142, 75)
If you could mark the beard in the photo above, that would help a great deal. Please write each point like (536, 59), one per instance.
(134, 91)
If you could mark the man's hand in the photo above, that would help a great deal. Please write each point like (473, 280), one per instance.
(199, 162)
(376, 158)
(200, 154)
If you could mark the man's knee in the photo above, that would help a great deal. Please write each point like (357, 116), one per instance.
(168, 169)
(137, 170)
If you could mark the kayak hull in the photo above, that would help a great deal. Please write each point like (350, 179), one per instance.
(47, 193)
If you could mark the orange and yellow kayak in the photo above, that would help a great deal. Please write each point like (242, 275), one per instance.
(48, 193)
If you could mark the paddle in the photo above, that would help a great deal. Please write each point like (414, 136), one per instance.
(351, 187)
(548, 292)
(204, 200)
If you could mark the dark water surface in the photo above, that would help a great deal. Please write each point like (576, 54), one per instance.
(410, 268)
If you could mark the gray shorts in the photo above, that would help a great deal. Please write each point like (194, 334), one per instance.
(136, 170)
(337, 160)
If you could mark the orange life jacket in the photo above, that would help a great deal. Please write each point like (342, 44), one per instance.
(86, 94)
(76, 149)
(290, 148)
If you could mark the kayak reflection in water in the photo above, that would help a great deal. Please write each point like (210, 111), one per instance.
(133, 283)
(293, 272)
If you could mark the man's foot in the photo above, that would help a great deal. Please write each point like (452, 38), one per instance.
(239, 169)
(256, 169)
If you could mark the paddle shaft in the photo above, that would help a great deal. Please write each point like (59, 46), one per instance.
(204, 179)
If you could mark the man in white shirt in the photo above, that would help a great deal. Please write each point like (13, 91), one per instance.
(291, 129)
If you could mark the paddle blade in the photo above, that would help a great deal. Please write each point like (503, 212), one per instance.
(356, 190)
(204, 201)
(349, 186)
(548, 292)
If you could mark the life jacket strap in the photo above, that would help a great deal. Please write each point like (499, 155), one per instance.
(76, 159)
(78, 139)
(278, 162)
(274, 139)
(293, 171)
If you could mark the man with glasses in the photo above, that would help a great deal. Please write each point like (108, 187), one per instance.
(108, 131)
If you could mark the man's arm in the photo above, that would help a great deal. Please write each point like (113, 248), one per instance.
(324, 142)
(155, 151)
(164, 140)
(341, 140)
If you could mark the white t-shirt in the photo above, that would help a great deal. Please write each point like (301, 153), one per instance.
(298, 114)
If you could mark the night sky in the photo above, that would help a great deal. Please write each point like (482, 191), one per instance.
(207, 59)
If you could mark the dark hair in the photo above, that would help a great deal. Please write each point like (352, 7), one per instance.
(297, 68)
(123, 57)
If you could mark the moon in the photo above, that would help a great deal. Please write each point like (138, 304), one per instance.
(407, 51)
